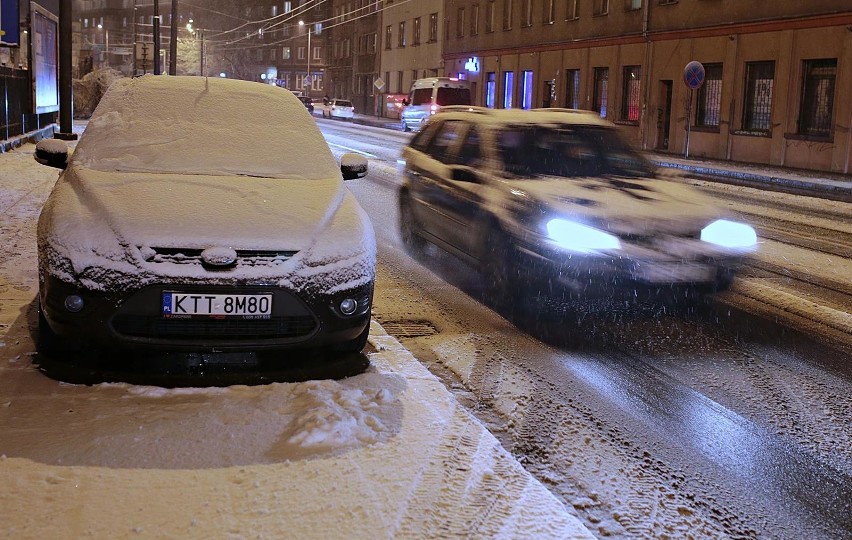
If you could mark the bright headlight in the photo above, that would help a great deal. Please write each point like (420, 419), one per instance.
(729, 234)
(581, 238)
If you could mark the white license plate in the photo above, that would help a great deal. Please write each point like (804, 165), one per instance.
(179, 305)
(675, 273)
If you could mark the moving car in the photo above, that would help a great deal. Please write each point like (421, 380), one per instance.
(428, 95)
(189, 218)
(549, 202)
(308, 103)
(338, 108)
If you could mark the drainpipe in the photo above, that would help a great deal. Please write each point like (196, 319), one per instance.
(643, 129)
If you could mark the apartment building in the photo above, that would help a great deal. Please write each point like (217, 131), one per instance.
(773, 71)
(353, 66)
(411, 46)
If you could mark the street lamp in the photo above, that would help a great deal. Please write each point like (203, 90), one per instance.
(106, 42)
(310, 79)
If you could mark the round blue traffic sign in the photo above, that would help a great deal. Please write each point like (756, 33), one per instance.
(693, 75)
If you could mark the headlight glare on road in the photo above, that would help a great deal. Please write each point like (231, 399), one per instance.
(580, 238)
(729, 234)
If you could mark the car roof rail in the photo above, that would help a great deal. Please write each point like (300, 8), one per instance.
(465, 108)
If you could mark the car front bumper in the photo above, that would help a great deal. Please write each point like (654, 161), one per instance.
(135, 319)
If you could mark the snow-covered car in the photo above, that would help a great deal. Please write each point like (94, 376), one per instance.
(549, 202)
(338, 108)
(188, 218)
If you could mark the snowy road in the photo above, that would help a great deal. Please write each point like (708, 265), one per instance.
(717, 424)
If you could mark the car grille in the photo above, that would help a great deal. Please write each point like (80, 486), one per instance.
(215, 329)
(245, 258)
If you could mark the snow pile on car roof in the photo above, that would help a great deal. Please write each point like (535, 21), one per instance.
(201, 125)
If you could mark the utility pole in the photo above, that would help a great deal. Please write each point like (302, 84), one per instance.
(157, 68)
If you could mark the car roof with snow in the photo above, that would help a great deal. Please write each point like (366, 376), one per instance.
(496, 117)
(204, 125)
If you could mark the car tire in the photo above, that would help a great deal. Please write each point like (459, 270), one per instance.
(409, 228)
(499, 266)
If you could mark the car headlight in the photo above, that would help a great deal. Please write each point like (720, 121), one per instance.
(729, 234)
(578, 237)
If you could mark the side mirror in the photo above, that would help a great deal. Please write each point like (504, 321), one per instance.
(353, 166)
(52, 152)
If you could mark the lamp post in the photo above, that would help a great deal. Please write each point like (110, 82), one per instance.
(106, 43)
(310, 79)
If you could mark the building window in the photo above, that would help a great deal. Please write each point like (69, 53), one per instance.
(526, 13)
(474, 20)
(818, 79)
(416, 37)
(272, 53)
(527, 90)
(388, 37)
(399, 82)
(433, 28)
(630, 97)
(401, 40)
(631, 5)
(508, 88)
(460, 23)
(414, 75)
(572, 89)
(489, 17)
(708, 110)
(600, 7)
(547, 9)
(301, 53)
(317, 53)
(288, 7)
(572, 13)
(601, 90)
(760, 80)
(285, 53)
(490, 89)
(508, 7)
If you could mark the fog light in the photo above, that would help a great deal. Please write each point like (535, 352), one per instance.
(348, 306)
(73, 303)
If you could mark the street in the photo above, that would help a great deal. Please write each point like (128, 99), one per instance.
(729, 421)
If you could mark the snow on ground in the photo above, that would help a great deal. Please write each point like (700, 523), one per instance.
(386, 454)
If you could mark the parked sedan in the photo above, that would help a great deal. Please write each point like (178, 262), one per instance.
(188, 218)
(554, 202)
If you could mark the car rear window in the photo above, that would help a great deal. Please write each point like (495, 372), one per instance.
(453, 96)
(421, 96)
(342, 103)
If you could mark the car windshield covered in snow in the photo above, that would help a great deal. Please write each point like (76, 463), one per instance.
(568, 151)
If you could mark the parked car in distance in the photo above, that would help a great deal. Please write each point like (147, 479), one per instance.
(308, 103)
(338, 108)
(555, 203)
(180, 223)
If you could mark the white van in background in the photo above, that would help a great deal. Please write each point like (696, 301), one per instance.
(428, 95)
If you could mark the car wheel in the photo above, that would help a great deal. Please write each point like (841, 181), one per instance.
(499, 269)
(409, 228)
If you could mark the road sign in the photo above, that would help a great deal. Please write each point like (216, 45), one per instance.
(693, 75)
(307, 82)
(379, 83)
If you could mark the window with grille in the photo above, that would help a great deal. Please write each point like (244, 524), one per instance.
(600, 7)
(817, 102)
(508, 7)
(572, 89)
(760, 81)
(489, 17)
(433, 27)
(709, 99)
(401, 41)
(601, 90)
(630, 97)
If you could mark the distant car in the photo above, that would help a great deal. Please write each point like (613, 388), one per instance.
(555, 202)
(181, 223)
(338, 108)
(308, 103)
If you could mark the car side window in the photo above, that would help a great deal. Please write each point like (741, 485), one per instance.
(448, 134)
(470, 154)
(421, 139)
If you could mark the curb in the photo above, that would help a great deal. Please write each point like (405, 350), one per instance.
(31, 137)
